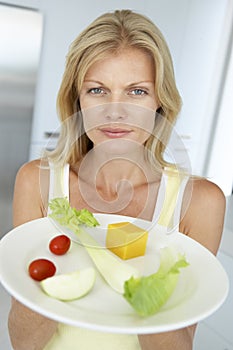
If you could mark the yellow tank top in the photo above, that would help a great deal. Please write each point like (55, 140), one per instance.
(167, 213)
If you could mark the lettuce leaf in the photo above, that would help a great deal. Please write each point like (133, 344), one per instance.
(148, 294)
(64, 214)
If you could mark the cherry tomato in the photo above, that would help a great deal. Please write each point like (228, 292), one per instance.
(59, 245)
(40, 269)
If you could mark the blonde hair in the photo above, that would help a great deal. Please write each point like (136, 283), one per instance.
(108, 34)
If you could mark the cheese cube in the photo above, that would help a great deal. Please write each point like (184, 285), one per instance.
(126, 240)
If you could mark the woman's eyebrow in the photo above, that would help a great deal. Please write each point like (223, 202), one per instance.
(93, 81)
(141, 82)
(128, 84)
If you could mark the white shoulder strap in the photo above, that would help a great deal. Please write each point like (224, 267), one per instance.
(59, 182)
(169, 201)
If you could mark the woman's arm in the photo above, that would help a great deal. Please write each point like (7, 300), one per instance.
(203, 213)
(27, 329)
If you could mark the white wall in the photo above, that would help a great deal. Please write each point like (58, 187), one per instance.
(219, 167)
(193, 29)
(199, 73)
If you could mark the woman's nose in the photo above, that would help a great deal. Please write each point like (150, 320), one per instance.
(115, 111)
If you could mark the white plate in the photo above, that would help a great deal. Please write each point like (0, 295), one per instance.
(202, 287)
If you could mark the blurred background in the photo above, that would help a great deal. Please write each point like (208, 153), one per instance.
(34, 38)
(20, 47)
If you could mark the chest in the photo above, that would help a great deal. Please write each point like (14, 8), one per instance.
(132, 201)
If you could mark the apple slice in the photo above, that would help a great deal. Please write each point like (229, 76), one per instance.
(71, 285)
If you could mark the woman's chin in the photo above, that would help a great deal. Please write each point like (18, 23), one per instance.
(119, 147)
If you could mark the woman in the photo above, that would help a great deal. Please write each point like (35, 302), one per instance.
(117, 103)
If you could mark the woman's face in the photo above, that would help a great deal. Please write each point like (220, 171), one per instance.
(118, 99)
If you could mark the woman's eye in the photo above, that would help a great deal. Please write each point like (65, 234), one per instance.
(138, 92)
(96, 91)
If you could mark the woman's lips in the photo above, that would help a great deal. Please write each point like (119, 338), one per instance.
(115, 133)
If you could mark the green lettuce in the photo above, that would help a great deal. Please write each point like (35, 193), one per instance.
(147, 294)
(65, 215)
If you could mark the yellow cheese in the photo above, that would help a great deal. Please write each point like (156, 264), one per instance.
(126, 240)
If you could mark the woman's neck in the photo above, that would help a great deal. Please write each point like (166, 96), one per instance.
(123, 185)
(115, 172)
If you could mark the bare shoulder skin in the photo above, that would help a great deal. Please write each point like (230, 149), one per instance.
(203, 216)
(31, 188)
(27, 329)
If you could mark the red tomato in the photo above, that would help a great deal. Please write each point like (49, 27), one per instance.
(59, 245)
(40, 269)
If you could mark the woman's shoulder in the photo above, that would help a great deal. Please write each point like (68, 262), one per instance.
(206, 192)
(32, 168)
(30, 193)
(32, 177)
(201, 197)
(199, 190)
(29, 167)
(203, 212)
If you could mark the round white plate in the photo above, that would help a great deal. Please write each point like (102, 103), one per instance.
(202, 286)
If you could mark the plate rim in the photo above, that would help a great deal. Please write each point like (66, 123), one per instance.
(113, 329)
